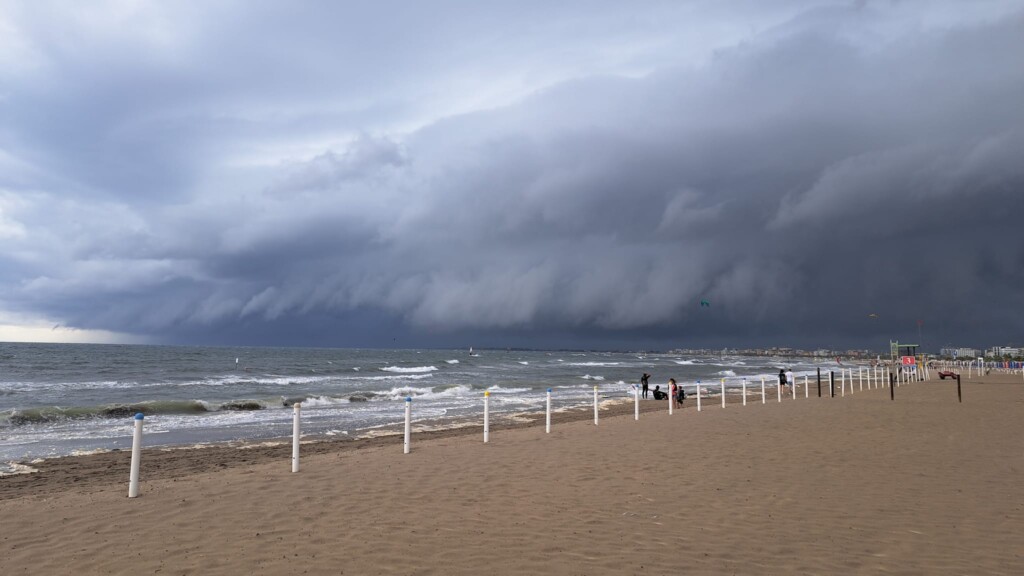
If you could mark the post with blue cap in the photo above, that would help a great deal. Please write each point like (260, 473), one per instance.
(408, 421)
(133, 476)
(723, 392)
(296, 434)
(595, 405)
(636, 402)
(547, 425)
(744, 391)
(698, 396)
(487, 414)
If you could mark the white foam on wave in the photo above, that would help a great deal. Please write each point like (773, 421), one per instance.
(524, 363)
(452, 361)
(93, 385)
(594, 363)
(496, 389)
(409, 370)
(398, 377)
(725, 373)
(323, 401)
(685, 362)
(426, 393)
(243, 380)
(12, 468)
(589, 377)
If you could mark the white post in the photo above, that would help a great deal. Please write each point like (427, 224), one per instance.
(762, 389)
(595, 405)
(671, 399)
(792, 391)
(860, 377)
(806, 389)
(851, 380)
(487, 415)
(698, 395)
(408, 422)
(636, 403)
(547, 421)
(744, 391)
(723, 392)
(296, 434)
(133, 475)
(779, 393)
(969, 365)
(842, 382)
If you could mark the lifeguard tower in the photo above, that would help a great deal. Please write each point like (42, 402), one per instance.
(904, 356)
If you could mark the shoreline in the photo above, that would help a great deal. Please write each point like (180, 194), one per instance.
(103, 468)
(864, 484)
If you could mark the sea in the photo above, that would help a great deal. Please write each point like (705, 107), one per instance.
(66, 399)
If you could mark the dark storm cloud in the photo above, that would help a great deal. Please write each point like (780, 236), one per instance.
(852, 159)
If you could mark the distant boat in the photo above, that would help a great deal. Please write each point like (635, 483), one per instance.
(471, 352)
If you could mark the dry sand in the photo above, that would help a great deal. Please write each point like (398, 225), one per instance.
(854, 485)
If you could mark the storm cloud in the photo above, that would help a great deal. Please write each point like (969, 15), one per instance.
(515, 174)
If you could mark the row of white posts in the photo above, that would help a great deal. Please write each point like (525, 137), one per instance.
(874, 375)
(977, 367)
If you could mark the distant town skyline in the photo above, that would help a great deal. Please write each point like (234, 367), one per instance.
(599, 175)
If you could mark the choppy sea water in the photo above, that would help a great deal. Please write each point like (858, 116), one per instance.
(60, 399)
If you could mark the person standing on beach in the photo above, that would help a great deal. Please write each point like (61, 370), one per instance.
(782, 380)
(790, 380)
(643, 381)
(680, 395)
(671, 389)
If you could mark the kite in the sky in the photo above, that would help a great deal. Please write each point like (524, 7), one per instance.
(705, 304)
(872, 315)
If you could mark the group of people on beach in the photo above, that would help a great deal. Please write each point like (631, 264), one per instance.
(675, 392)
(786, 379)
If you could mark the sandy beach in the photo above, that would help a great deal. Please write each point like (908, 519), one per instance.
(853, 485)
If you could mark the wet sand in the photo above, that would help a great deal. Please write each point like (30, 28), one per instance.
(847, 485)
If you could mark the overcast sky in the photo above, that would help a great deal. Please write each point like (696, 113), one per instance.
(544, 174)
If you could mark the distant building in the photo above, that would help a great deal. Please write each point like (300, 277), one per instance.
(1000, 351)
(960, 352)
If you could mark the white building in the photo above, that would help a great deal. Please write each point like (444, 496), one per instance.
(966, 353)
(1000, 351)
